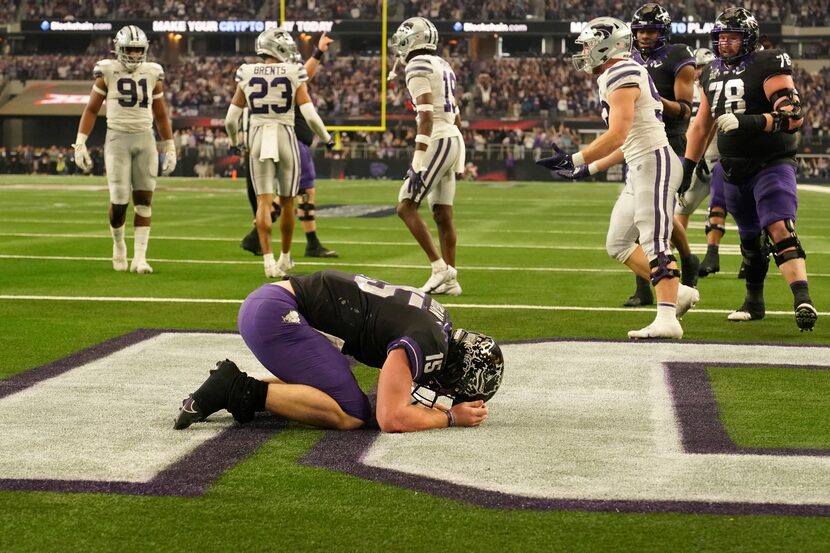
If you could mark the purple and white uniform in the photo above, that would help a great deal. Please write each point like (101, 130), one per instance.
(645, 208)
(371, 317)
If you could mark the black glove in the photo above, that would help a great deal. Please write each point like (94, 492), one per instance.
(702, 171)
(559, 160)
(330, 144)
(235, 151)
(577, 173)
(688, 170)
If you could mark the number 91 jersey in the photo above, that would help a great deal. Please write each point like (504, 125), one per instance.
(129, 94)
(270, 89)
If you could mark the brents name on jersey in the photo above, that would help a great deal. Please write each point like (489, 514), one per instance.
(270, 69)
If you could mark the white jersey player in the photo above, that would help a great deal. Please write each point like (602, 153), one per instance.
(132, 88)
(439, 149)
(270, 90)
(633, 112)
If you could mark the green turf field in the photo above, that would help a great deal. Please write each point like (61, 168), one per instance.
(532, 262)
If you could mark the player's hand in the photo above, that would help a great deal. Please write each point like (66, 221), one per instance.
(414, 181)
(728, 122)
(470, 413)
(702, 171)
(577, 173)
(235, 150)
(330, 144)
(559, 160)
(168, 163)
(323, 43)
(82, 159)
(688, 170)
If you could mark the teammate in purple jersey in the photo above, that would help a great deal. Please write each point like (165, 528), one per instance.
(399, 329)
(751, 98)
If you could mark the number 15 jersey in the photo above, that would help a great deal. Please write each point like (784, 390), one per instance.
(270, 89)
(129, 94)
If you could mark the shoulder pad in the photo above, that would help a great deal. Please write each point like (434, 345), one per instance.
(240, 73)
(773, 62)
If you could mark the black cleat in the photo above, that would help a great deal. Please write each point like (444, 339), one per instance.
(710, 265)
(638, 301)
(319, 251)
(742, 271)
(690, 266)
(211, 396)
(749, 311)
(251, 243)
(806, 316)
(189, 413)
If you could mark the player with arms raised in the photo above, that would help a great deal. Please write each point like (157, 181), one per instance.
(132, 87)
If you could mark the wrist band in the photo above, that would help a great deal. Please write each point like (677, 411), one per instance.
(450, 418)
(578, 159)
(317, 54)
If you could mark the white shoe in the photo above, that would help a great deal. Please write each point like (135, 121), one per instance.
(662, 330)
(140, 266)
(687, 297)
(272, 270)
(285, 267)
(119, 257)
(449, 288)
(438, 278)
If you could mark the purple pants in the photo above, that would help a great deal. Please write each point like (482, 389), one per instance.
(769, 196)
(307, 172)
(716, 193)
(283, 341)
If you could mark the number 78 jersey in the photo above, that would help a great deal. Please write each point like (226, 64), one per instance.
(129, 94)
(441, 79)
(270, 90)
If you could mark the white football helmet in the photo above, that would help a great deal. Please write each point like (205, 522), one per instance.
(416, 33)
(703, 56)
(278, 44)
(131, 37)
(602, 39)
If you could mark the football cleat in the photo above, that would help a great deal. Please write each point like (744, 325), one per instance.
(638, 300)
(449, 288)
(710, 265)
(742, 270)
(272, 270)
(251, 243)
(189, 413)
(119, 257)
(285, 266)
(749, 311)
(438, 278)
(689, 270)
(806, 316)
(664, 330)
(141, 267)
(687, 297)
(319, 251)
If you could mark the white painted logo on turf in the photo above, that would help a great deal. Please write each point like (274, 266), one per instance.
(595, 421)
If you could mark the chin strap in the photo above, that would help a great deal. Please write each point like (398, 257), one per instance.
(392, 75)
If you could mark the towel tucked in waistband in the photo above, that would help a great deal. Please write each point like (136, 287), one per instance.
(269, 146)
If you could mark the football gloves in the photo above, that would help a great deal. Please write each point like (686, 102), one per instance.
(577, 173)
(702, 171)
(688, 170)
(168, 162)
(82, 159)
(415, 182)
(558, 161)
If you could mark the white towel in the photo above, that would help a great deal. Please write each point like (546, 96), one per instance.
(269, 145)
(462, 158)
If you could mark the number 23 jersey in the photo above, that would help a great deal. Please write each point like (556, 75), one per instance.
(129, 94)
(270, 89)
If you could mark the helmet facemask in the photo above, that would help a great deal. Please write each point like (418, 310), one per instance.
(129, 39)
(736, 20)
(651, 17)
(416, 33)
(602, 39)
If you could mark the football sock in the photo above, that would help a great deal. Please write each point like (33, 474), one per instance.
(141, 238)
(311, 238)
(439, 265)
(801, 293)
(118, 238)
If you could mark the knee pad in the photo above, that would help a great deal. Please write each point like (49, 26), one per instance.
(143, 210)
(277, 210)
(710, 226)
(304, 209)
(119, 214)
(246, 397)
(661, 262)
(756, 258)
(785, 244)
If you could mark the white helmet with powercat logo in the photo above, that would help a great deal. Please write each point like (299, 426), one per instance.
(602, 39)
(277, 44)
(416, 33)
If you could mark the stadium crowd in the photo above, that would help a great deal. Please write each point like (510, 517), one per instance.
(792, 12)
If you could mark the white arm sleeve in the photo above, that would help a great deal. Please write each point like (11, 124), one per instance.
(232, 123)
(314, 122)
